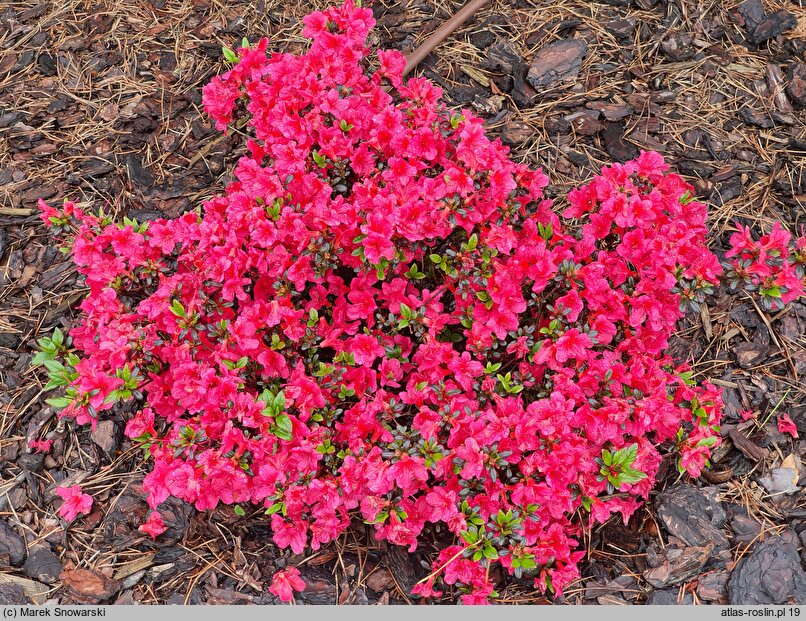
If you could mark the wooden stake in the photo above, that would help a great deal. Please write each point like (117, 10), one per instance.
(442, 33)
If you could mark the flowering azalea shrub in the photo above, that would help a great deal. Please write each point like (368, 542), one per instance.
(384, 318)
(767, 267)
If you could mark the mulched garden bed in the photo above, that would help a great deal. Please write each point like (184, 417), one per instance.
(100, 102)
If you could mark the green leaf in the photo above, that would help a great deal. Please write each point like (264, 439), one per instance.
(45, 344)
(245, 43)
(58, 402)
(319, 159)
(483, 296)
(229, 55)
(283, 427)
(771, 292)
(40, 358)
(380, 518)
(238, 509)
(54, 384)
(707, 441)
(414, 273)
(57, 338)
(54, 367)
(631, 475)
(686, 376)
(470, 536)
(345, 392)
(275, 508)
(626, 456)
(177, 308)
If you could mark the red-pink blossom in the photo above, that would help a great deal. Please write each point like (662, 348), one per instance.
(75, 502)
(154, 525)
(785, 425)
(40, 446)
(285, 582)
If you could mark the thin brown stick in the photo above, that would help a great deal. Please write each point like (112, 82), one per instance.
(442, 33)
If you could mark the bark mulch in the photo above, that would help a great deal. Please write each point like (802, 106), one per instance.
(100, 102)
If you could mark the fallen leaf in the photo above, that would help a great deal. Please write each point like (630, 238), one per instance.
(89, 584)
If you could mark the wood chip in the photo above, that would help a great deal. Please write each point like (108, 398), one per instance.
(556, 62)
(127, 569)
(747, 447)
(89, 584)
(37, 591)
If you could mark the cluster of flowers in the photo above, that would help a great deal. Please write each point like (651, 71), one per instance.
(767, 266)
(384, 317)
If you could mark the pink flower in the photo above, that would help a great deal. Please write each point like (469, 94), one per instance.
(285, 582)
(154, 525)
(426, 589)
(289, 534)
(572, 344)
(40, 446)
(365, 349)
(747, 414)
(785, 425)
(75, 502)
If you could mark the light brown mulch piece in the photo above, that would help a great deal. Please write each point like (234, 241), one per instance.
(679, 564)
(556, 62)
(713, 586)
(106, 435)
(36, 592)
(228, 597)
(692, 515)
(89, 584)
(379, 580)
(750, 354)
(796, 83)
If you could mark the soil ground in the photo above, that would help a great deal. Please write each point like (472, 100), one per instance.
(100, 103)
